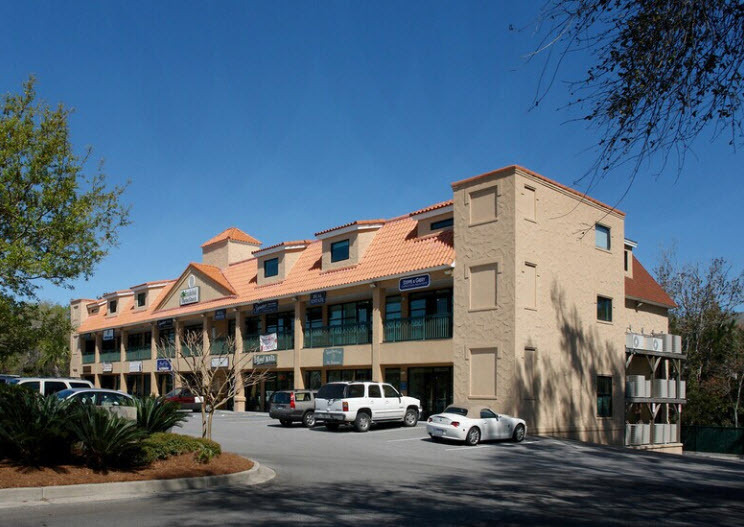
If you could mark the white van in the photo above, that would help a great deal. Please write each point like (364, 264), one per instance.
(50, 385)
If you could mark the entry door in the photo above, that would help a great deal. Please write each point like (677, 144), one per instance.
(433, 386)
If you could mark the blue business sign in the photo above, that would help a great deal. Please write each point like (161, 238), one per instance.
(318, 298)
(414, 282)
(266, 307)
(220, 314)
(165, 323)
(163, 365)
(108, 334)
(333, 357)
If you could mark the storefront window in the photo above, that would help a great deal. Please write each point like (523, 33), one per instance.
(313, 379)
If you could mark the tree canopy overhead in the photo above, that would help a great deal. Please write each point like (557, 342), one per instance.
(56, 221)
(662, 72)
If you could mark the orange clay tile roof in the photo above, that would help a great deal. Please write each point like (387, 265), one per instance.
(233, 233)
(395, 250)
(359, 222)
(430, 208)
(214, 274)
(159, 282)
(283, 244)
(643, 287)
(511, 168)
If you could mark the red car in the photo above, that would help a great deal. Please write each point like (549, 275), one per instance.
(185, 398)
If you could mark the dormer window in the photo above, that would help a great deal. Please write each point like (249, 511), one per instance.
(340, 251)
(442, 224)
(271, 267)
(112, 306)
(141, 299)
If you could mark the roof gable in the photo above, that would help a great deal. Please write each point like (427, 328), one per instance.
(643, 287)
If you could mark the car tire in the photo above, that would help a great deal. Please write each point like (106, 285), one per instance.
(285, 422)
(362, 422)
(411, 417)
(473, 436)
(518, 435)
(332, 426)
(308, 420)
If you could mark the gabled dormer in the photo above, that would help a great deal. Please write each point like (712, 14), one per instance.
(198, 283)
(117, 302)
(230, 246)
(274, 263)
(145, 294)
(435, 218)
(345, 246)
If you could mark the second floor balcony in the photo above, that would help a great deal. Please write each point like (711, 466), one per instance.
(418, 328)
(110, 356)
(341, 335)
(139, 353)
(284, 341)
(89, 358)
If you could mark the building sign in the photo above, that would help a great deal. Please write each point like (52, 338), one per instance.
(414, 282)
(265, 360)
(108, 334)
(271, 306)
(107, 366)
(165, 323)
(318, 298)
(268, 342)
(189, 296)
(135, 366)
(219, 362)
(333, 357)
(220, 314)
(163, 365)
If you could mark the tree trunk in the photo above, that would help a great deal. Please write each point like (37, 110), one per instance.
(204, 418)
(738, 399)
(209, 425)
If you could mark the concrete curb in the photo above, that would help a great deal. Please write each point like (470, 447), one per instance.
(18, 497)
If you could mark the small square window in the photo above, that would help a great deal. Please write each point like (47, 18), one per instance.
(271, 267)
(602, 236)
(340, 251)
(442, 224)
(112, 306)
(141, 299)
(604, 309)
(604, 396)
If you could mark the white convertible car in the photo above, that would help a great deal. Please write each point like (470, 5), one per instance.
(474, 424)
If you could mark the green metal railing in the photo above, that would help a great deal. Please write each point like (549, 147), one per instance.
(139, 353)
(251, 342)
(420, 328)
(110, 356)
(89, 358)
(167, 352)
(713, 439)
(219, 347)
(347, 335)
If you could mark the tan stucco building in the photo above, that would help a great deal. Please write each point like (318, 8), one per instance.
(518, 292)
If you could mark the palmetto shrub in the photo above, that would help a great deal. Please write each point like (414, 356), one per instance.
(106, 440)
(33, 428)
(155, 414)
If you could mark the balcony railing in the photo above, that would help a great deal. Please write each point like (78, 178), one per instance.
(420, 328)
(167, 352)
(219, 347)
(346, 335)
(89, 358)
(110, 356)
(284, 341)
(139, 353)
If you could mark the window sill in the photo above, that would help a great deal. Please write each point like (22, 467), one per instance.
(484, 222)
(479, 309)
(603, 250)
(606, 322)
(531, 309)
(531, 220)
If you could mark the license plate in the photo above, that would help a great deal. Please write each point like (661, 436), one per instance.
(438, 432)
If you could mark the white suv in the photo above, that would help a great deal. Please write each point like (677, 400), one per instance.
(362, 404)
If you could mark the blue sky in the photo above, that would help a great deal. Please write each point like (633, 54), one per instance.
(286, 118)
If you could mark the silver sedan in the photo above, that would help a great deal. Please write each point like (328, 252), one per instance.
(473, 424)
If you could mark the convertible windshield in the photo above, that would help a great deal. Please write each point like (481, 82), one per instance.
(456, 410)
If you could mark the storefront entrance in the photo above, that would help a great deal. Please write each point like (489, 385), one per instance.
(257, 397)
(433, 386)
(110, 382)
(138, 384)
(165, 383)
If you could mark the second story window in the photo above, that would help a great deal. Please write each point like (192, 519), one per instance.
(112, 307)
(271, 267)
(141, 299)
(442, 224)
(602, 236)
(604, 309)
(340, 251)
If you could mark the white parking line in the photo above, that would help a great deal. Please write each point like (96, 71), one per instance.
(406, 439)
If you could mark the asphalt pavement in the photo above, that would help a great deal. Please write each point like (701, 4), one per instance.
(393, 475)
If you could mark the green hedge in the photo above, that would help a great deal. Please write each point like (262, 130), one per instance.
(164, 445)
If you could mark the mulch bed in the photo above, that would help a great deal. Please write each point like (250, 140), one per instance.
(183, 466)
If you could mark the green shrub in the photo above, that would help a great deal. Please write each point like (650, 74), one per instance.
(106, 440)
(155, 414)
(33, 428)
(165, 445)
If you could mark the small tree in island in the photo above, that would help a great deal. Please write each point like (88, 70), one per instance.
(212, 372)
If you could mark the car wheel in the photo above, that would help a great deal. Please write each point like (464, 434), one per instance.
(518, 435)
(411, 417)
(331, 426)
(309, 419)
(473, 437)
(285, 422)
(362, 422)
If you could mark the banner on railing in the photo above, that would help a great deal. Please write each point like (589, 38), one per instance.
(268, 342)
(264, 360)
(414, 282)
(163, 365)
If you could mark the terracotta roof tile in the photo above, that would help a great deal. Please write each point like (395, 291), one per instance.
(643, 287)
(430, 208)
(233, 233)
(283, 244)
(214, 274)
(358, 222)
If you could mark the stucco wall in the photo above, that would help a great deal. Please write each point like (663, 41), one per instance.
(646, 318)
(207, 290)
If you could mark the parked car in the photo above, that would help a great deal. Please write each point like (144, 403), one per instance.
(186, 398)
(473, 424)
(363, 404)
(50, 385)
(290, 406)
(6, 378)
(97, 396)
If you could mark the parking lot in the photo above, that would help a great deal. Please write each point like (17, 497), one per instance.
(392, 475)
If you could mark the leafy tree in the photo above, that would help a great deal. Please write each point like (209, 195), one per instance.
(662, 72)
